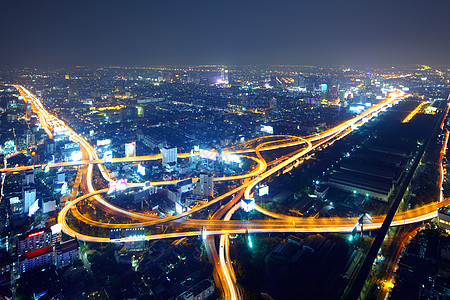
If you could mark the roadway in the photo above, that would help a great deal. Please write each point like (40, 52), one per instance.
(224, 227)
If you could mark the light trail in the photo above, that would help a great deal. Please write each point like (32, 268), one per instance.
(324, 138)
(414, 112)
(226, 226)
(224, 255)
(402, 244)
(445, 115)
(441, 165)
(87, 148)
(294, 227)
(251, 183)
(231, 294)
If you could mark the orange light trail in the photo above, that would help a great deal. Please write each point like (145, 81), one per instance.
(445, 116)
(414, 112)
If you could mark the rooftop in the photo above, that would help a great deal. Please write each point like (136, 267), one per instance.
(68, 246)
(445, 210)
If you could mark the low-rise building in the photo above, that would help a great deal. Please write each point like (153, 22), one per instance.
(66, 253)
(368, 185)
(200, 291)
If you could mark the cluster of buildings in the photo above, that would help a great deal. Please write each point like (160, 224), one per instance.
(27, 195)
(423, 269)
(320, 266)
(42, 248)
(175, 271)
(171, 105)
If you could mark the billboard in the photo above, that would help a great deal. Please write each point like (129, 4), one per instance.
(248, 204)
(130, 149)
(263, 190)
(267, 129)
(14, 200)
(73, 145)
(356, 109)
(59, 130)
(103, 142)
(208, 154)
(118, 185)
(56, 228)
(76, 155)
(230, 158)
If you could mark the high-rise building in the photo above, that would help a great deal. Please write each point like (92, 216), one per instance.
(29, 177)
(74, 92)
(323, 87)
(29, 196)
(299, 81)
(380, 81)
(31, 138)
(224, 75)
(48, 205)
(169, 155)
(334, 91)
(49, 145)
(367, 82)
(204, 186)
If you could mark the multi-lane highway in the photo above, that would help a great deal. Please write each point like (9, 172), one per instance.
(221, 224)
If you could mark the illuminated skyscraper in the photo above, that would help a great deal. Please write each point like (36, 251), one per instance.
(224, 76)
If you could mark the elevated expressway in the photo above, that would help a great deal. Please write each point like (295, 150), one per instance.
(283, 224)
(224, 227)
(257, 175)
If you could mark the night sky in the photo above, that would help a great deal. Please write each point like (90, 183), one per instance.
(320, 32)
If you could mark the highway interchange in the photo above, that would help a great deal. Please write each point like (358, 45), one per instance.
(220, 223)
